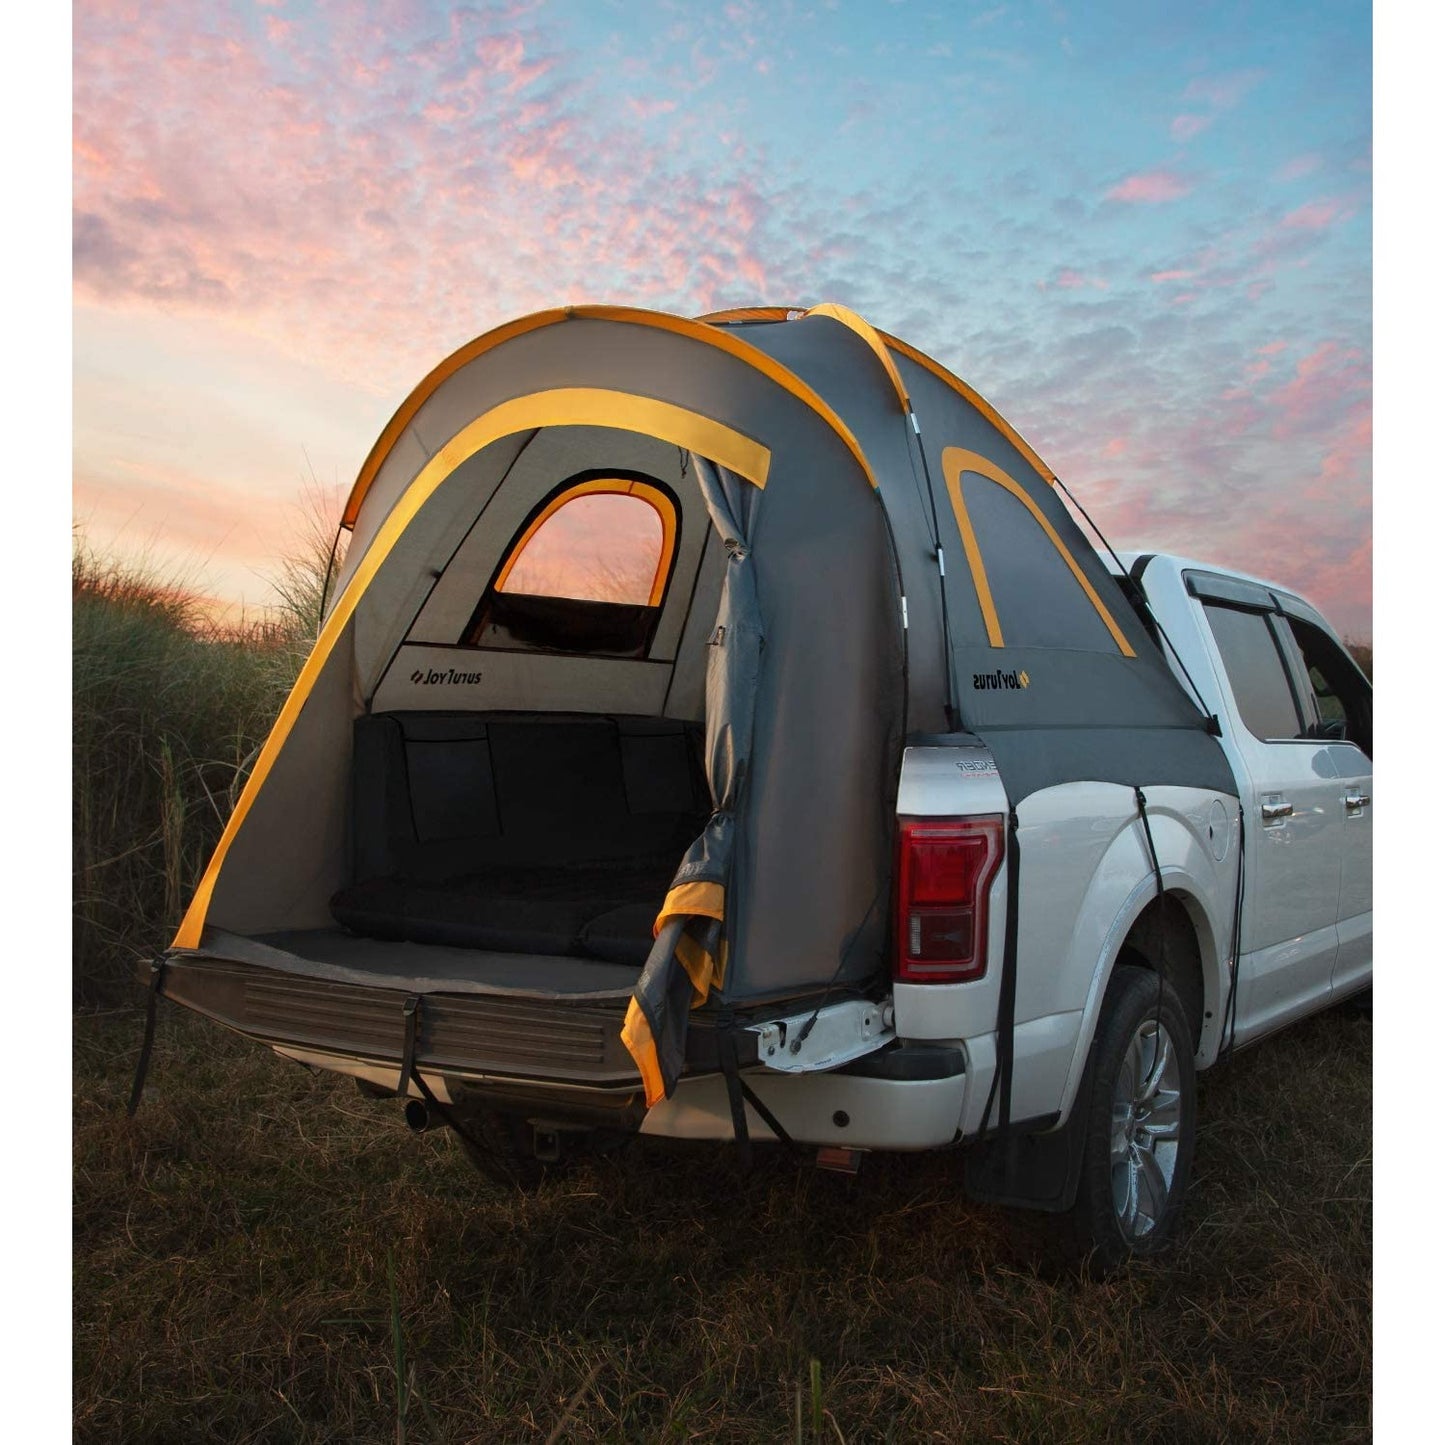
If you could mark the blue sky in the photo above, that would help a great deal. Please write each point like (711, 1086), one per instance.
(1143, 231)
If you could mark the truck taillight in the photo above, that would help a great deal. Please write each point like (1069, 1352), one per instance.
(945, 869)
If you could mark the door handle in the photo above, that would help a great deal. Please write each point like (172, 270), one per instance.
(1355, 804)
(1274, 814)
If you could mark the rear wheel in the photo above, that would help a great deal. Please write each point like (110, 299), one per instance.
(1139, 1136)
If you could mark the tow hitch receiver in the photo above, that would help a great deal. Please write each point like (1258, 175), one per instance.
(839, 1159)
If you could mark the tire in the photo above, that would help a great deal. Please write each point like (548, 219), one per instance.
(1139, 1129)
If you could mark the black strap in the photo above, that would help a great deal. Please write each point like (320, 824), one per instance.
(1227, 1023)
(410, 1025)
(1143, 805)
(411, 1074)
(1008, 982)
(728, 1058)
(767, 1116)
(142, 1066)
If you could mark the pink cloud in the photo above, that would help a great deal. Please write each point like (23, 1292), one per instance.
(1347, 457)
(1150, 187)
(1178, 465)
(1332, 381)
(1160, 277)
(1066, 278)
(1299, 167)
(1184, 128)
(404, 187)
(1316, 215)
(1216, 95)
(645, 109)
(1223, 92)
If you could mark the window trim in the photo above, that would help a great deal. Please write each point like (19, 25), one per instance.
(1307, 617)
(616, 482)
(1298, 673)
(1272, 622)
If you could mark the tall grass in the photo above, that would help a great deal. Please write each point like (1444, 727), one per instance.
(169, 712)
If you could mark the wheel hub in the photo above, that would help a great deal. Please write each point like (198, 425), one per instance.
(1144, 1144)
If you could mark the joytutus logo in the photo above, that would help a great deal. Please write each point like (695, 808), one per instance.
(445, 674)
(987, 681)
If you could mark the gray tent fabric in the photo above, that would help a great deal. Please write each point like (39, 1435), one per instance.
(688, 959)
(1068, 686)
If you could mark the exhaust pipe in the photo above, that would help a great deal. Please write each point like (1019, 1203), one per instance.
(417, 1115)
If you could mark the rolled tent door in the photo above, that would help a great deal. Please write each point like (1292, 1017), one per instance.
(689, 956)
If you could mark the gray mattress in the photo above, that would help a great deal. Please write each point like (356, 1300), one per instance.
(423, 967)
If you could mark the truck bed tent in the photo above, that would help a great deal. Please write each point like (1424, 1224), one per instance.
(685, 797)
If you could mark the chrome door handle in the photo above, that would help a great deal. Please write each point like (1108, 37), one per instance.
(1274, 814)
(1355, 804)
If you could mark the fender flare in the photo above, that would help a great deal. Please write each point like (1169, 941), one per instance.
(1185, 885)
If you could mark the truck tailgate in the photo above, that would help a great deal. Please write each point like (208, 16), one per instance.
(474, 1015)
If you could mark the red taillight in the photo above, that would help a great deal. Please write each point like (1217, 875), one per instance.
(945, 869)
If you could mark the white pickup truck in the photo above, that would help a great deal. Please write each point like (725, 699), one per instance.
(1144, 954)
(983, 842)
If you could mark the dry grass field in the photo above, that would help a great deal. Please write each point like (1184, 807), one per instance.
(264, 1255)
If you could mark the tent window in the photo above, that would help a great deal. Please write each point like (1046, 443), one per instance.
(587, 573)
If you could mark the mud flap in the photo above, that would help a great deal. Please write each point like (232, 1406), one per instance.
(1033, 1171)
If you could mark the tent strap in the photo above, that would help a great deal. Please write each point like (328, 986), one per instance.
(411, 1074)
(728, 1059)
(1008, 980)
(767, 1116)
(142, 1066)
(739, 1091)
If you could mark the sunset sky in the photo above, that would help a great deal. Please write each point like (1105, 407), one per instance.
(1142, 230)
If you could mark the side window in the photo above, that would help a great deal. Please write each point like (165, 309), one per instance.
(587, 573)
(1256, 671)
(1342, 695)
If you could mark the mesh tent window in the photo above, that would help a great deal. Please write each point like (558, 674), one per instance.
(587, 572)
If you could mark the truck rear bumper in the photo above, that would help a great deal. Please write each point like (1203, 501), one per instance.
(849, 1110)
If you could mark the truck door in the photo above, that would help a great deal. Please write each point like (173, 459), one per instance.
(1344, 709)
(1293, 821)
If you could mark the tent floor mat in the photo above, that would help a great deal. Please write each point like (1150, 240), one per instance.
(438, 968)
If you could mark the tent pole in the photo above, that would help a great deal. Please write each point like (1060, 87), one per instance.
(950, 709)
